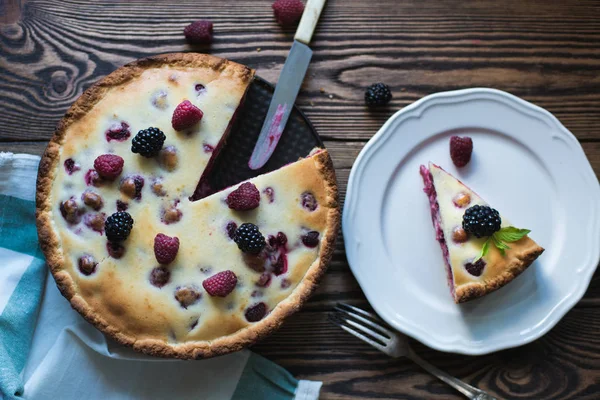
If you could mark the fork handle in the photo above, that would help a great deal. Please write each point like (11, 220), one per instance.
(468, 390)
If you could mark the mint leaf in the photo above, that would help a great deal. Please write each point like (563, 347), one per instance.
(484, 249)
(500, 245)
(511, 234)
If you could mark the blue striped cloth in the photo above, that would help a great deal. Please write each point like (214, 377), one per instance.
(47, 351)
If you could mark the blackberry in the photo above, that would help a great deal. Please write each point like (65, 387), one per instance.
(378, 94)
(249, 239)
(481, 221)
(148, 142)
(118, 226)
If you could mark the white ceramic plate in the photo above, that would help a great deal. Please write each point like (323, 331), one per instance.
(526, 164)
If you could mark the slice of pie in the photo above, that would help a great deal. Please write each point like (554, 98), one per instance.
(470, 274)
(134, 246)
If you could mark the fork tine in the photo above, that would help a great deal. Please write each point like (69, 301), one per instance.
(384, 340)
(363, 312)
(361, 336)
(365, 321)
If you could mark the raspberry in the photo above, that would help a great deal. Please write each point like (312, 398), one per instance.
(71, 166)
(460, 150)
(199, 32)
(287, 12)
(185, 116)
(481, 221)
(115, 250)
(118, 226)
(231, 228)
(308, 201)
(165, 248)
(148, 142)
(245, 197)
(208, 148)
(281, 265)
(95, 221)
(249, 239)
(92, 178)
(264, 279)
(109, 166)
(256, 312)
(378, 94)
(220, 284)
(476, 268)
(122, 206)
(160, 276)
(119, 132)
(311, 239)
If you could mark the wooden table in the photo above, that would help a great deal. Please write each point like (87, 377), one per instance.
(547, 52)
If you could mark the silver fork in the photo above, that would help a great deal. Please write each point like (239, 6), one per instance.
(371, 329)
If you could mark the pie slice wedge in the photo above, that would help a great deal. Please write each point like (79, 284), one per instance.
(469, 276)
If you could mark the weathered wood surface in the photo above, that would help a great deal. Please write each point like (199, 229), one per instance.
(547, 52)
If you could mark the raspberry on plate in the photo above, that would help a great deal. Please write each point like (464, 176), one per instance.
(287, 12)
(185, 116)
(199, 32)
(220, 284)
(245, 197)
(460, 150)
(109, 166)
(165, 248)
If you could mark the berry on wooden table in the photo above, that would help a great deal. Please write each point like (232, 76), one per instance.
(199, 32)
(287, 12)
(378, 94)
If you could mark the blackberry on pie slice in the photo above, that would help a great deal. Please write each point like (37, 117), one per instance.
(482, 251)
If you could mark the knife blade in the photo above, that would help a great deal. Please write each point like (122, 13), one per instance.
(288, 86)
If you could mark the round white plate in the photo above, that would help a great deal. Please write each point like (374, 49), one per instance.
(526, 164)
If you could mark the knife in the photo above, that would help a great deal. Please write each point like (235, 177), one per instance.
(288, 86)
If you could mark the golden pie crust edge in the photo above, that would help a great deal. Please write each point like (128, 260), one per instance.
(49, 241)
(528, 253)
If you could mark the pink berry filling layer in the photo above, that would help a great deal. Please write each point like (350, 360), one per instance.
(429, 190)
(203, 189)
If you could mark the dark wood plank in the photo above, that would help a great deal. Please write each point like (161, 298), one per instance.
(545, 52)
(564, 364)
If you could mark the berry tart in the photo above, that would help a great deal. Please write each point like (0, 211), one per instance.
(144, 255)
(481, 250)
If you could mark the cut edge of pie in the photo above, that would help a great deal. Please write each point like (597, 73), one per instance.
(498, 271)
(50, 241)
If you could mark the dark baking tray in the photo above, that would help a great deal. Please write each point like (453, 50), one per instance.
(298, 139)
